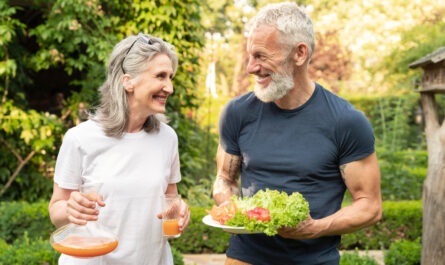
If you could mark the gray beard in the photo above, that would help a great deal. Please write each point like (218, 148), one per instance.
(278, 87)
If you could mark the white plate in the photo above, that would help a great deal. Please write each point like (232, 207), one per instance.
(231, 229)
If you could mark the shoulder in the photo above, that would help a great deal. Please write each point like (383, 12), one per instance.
(167, 131)
(85, 128)
(244, 101)
(340, 107)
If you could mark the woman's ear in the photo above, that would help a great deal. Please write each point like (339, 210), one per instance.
(127, 82)
(301, 53)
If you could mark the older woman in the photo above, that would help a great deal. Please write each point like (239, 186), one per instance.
(128, 148)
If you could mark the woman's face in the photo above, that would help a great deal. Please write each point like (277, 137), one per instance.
(149, 91)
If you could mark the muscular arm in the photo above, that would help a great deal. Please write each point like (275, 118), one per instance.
(228, 170)
(362, 178)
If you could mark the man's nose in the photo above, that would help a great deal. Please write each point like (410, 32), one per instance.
(252, 66)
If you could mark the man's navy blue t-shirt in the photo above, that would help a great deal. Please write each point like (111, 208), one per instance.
(294, 150)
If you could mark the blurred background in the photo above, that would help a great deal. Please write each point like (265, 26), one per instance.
(53, 55)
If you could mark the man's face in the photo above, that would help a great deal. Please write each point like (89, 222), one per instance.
(267, 61)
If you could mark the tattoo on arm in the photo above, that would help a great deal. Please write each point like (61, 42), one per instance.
(234, 168)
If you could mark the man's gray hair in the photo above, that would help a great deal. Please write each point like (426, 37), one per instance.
(132, 55)
(291, 21)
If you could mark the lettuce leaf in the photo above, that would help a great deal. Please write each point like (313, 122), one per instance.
(285, 210)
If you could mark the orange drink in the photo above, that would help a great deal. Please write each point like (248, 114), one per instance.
(85, 247)
(171, 227)
(171, 213)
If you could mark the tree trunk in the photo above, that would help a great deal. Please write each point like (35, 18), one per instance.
(433, 232)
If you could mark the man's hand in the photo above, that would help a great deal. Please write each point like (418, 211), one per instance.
(307, 229)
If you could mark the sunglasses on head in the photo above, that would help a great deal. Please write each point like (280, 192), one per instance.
(143, 39)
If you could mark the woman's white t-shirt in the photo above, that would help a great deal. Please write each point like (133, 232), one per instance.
(136, 170)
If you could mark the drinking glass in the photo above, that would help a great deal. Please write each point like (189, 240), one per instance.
(171, 206)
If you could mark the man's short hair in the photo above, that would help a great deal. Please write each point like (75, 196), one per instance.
(291, 21)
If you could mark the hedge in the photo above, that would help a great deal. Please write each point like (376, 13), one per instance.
(404, 252)
(400, 220)
(18, 217)
(355, 259)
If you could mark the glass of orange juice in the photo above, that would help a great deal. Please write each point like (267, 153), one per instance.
(171, 206)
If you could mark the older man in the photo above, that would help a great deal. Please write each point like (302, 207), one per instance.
(293, 135)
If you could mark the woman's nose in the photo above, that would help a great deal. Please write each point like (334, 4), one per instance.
(169, 87)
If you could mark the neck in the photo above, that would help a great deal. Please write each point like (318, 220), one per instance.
(137, 118)
(303, 89)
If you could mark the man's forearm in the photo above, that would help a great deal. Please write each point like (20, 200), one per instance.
(360, 214)
(223, 189)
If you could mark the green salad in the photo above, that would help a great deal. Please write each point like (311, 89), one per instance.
(268, 210)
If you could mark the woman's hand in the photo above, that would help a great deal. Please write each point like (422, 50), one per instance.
(184, 215)
(81, 207)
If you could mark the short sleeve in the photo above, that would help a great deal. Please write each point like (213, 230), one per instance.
(355, 136)
(229, 129)
(175, 172)
(68, 169)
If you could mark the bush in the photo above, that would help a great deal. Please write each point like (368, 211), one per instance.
(356, 259)
(400, 220)
(404, 252)
(402, 173)
(28, 251)
(178, 259)
(16, 218)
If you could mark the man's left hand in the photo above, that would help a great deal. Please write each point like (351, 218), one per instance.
(305, 230)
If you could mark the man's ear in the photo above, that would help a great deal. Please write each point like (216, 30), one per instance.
(127, 82)
(301, 53)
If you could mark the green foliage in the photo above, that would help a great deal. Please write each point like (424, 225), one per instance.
(355, 259)
(17, 218)
(404, 252)
(178, 259)
(28, 251)
(400, 220)
(402, 173)
(392, 119)
(415, 43)
(27, 134)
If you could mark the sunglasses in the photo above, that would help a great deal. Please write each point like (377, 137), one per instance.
(140, 37)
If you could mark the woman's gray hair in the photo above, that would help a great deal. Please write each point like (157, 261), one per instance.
(291, 21)
(131, 56)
